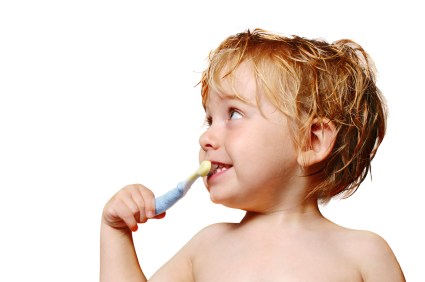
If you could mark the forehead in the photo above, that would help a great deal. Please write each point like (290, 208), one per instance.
(239, 83)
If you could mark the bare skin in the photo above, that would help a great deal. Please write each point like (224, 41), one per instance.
(292, 245)
(310, 249)
(256, 168)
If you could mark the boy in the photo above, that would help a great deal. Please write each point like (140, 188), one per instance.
(292, 122)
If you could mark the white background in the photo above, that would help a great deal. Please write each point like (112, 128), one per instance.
(95, 95)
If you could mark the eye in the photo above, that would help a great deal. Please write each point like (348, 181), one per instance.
(234, 114)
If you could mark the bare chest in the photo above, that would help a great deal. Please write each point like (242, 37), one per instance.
(273, 261)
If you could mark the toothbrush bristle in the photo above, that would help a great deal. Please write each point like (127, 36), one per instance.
(204, 168)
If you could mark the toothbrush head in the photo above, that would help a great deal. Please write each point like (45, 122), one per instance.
(204, 168)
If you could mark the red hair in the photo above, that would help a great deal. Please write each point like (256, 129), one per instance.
(308, 80)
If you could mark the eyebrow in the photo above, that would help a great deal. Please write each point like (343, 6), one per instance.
(229, 98)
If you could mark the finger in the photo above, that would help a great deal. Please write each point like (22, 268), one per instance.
(126, 213)
(149, 202)
(161, 215)
(139, 200)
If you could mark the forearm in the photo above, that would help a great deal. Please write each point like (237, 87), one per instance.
(118, 259)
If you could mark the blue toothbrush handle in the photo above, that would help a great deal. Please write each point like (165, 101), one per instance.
(166, 201)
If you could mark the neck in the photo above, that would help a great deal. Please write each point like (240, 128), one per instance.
(296, 214)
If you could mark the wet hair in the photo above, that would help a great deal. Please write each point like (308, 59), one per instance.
(310, 80)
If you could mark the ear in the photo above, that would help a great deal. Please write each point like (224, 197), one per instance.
(321, 140)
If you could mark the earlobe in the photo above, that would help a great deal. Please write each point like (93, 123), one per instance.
(321, 142)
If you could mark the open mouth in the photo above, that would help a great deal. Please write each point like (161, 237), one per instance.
(218, 168)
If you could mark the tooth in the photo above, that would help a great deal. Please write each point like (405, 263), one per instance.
(216, 168)
(221, 169)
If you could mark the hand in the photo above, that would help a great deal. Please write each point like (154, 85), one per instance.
(131, 205)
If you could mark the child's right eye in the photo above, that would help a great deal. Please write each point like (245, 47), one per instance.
(234, 114)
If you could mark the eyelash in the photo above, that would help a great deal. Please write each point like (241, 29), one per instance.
(209, 120)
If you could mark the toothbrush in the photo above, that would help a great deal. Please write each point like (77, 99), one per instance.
(166, 201)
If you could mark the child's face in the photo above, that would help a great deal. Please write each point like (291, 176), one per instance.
(251, 145)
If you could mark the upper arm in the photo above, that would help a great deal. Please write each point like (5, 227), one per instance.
(378, 262)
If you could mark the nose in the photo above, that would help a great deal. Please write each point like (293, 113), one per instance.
(209, 139)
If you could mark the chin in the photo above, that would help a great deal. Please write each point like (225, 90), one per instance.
(219, 199)
(215, 199)
(224, 201)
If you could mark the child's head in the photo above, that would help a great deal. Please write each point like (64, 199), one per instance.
(311, 82)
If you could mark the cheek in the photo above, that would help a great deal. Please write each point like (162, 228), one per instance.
(240, 146)
(266, 152)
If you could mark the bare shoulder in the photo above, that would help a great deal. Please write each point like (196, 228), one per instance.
(206, 237)
(372, 254)
(180, 266)
(210, 234)
(216, 229)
